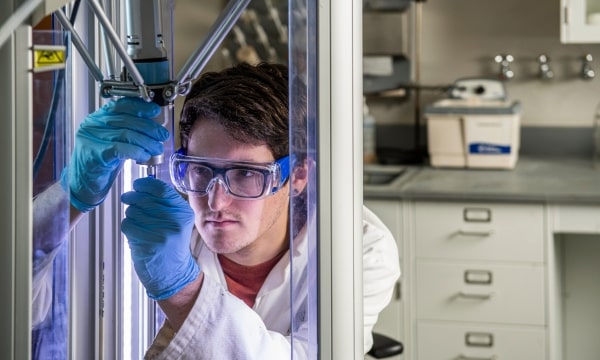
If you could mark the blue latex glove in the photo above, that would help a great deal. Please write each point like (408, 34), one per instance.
(158, 224)
(118, 131)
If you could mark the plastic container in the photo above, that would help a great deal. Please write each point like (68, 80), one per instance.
(369, 141)
(463, 133)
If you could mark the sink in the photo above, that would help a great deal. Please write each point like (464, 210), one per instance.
(374, 174)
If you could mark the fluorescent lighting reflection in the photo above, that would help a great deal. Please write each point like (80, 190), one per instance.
(127, 280)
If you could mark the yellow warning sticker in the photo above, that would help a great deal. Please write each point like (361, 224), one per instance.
(49, 57)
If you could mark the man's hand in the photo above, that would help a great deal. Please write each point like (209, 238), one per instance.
(118, 131)
(158, 226)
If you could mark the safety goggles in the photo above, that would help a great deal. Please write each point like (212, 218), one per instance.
(196, 176)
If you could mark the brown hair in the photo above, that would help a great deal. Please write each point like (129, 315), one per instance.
(252, 103)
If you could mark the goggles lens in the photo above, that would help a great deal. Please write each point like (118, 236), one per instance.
(196, 176)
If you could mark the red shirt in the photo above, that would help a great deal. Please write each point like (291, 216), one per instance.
(245, 281)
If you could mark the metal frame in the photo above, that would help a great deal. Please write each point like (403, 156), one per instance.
(16, 224)
(340, 185)
(23, 190)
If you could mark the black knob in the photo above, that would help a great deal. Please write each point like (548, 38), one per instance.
(479, 90)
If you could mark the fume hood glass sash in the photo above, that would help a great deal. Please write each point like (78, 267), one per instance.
(326, 55)
(51, 106)
(303, 143)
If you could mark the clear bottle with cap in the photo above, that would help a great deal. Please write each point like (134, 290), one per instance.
(596, 139)
(369, 133)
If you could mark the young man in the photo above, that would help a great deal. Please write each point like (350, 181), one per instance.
(219, 263)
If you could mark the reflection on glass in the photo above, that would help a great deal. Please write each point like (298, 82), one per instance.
(303, 143)
(50, 285)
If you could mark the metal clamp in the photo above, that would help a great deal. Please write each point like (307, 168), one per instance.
(132, 82)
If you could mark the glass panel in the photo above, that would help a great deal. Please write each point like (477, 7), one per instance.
(248, 43)
(50, 285)
(291, 47)
(276, 31)
(303, 143)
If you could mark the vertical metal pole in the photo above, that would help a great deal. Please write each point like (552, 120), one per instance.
(84, 324)
(7, 183)
(417, 74)
(7, 303)
(340, 184)
(23, 190)
(16, 192)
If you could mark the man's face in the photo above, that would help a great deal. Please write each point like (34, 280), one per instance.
(249, 232)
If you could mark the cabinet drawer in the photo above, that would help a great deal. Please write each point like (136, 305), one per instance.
(472, 341)
(576, 219)
(479, 231)
(504, 294)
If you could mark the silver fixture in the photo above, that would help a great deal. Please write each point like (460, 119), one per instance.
(504, 60)
(545, 72)
(587, 73)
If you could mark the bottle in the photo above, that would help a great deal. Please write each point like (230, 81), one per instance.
(596, 139)
(369, 142)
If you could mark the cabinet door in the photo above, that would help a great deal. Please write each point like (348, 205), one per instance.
(391, 319)
(580, 21)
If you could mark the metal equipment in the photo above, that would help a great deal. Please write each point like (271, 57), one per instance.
(146, 73)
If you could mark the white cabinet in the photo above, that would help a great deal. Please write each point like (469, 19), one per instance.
(391, 321)
(473, 282)
(494, 280)
(580, 21)
(479, 281)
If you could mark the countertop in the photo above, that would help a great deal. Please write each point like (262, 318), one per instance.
(547, 180)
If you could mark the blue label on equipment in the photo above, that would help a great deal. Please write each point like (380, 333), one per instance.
(483, 148)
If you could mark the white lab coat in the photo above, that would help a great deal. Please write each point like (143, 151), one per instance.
(221, 326)
(50, 230)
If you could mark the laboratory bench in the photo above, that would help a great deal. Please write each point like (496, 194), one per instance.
(495, 263)
(556, 180)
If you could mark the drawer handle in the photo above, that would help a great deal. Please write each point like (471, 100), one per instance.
(475, 296)
(478, 277)
(484, 233)
(464, 357)
(477, 215)
(479, 339)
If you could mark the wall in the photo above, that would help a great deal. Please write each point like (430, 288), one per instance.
(461, 37)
